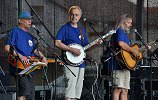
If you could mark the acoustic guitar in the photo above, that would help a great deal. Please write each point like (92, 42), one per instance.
(127, 60)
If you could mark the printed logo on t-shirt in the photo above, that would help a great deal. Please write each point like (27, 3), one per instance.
(80, 37)
(30, 43)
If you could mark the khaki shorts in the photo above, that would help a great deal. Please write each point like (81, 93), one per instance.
(121, 78)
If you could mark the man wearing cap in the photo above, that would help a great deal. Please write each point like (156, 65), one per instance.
(23, 42)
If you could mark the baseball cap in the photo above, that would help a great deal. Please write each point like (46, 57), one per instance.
(24, 14)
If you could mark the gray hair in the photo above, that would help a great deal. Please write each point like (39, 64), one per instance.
(121, 20)
(74, 7)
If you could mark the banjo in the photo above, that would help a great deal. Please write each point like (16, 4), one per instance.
(77, 60)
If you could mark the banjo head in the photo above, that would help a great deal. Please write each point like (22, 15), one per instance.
(75, 60)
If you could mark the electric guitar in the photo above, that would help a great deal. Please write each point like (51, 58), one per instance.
(12, 60)
(77, 60)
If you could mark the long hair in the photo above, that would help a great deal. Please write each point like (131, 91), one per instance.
(121, 20)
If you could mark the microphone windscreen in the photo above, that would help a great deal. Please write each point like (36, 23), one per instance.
(84, 19)
(33, 26)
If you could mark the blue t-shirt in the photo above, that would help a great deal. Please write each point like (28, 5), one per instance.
(120, 35)
(68, 34)
(22, 41)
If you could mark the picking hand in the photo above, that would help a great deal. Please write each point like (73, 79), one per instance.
(75, 51)
(136, 53)
(24, 59)
(44, 60)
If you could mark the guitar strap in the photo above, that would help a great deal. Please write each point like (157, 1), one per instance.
(82, 37)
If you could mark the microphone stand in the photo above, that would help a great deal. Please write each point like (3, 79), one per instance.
(56, 62)
(2, 36)
(47, 31)
(151, 54)
(1, 81)
(95, 83)
(40, 20)
(113, 54)
(44, 77)
(52, 38)
(17, 58)
(56, 56)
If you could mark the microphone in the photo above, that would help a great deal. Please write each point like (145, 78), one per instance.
(85, 20)
(135, 30)
(34, 27)
(38, 32)
(41, 35)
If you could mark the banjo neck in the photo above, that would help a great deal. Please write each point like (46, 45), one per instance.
(95, 41)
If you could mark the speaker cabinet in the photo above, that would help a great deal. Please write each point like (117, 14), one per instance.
(40, 95)
(8, 96)
(154, 90)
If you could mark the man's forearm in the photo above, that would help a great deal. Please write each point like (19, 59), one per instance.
(38, 53)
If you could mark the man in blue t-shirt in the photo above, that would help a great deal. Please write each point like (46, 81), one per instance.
(69, 33)
(23, 41)
(120, 40)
